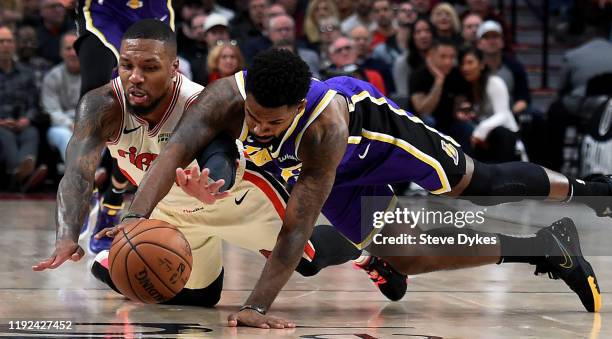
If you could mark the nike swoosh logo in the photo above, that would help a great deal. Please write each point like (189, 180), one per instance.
(128, 131)
(362, 156)
(163, 17)
(239, 201)
(568, 259)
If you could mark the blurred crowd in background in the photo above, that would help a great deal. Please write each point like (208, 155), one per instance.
(455, 65)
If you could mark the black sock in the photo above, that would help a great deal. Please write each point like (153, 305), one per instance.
(580, 188)
(518, 249)
(114, 196)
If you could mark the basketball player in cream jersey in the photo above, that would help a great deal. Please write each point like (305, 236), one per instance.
(134, 116)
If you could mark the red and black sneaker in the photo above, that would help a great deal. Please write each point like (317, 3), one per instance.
(390, 282)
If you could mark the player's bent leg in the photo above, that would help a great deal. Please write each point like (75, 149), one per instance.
(220, 157)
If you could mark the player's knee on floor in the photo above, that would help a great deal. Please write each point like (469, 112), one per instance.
(220, 157)
(493, 184)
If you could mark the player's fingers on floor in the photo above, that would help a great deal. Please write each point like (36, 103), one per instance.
(43, 264)
(76, 256)
(58, 261)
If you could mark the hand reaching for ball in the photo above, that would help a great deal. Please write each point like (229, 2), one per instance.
(111, 232)
(199, 185)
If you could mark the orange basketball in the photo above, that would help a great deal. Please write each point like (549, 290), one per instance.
(150, 261)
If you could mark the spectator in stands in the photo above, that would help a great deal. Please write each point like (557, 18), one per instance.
(361, 17)
(262, 43)
(422, 7)
(419, 42)
(225, 59)
(491, 43)
(406, 14)
(185, 35)
(485, 127)
(362, 38)
(397, 43)
(211, 7)
(27, 45)
(485, 9)
(445, 20)
(297, 10)
(60, 95)
(344, 62)
(30, 10)
(216, 28)
(329, 28)
(251, 24)
(346, 8)
(11, 13)
(282, 30)
(470, 25)
(435, 87)
(54, 24)
(18, 107)
(383, 16)
(317, 10)
(196, 51)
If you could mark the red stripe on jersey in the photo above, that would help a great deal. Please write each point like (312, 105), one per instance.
(175, 96)
(117, 91)
(191, 100)
(268, 190)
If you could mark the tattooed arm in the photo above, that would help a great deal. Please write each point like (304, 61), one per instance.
(321, 150)
(219, 108)
(96, 123)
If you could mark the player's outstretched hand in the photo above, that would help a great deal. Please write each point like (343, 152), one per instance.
(198, 185)
(64, 249)
(111, 232)
(253, 318)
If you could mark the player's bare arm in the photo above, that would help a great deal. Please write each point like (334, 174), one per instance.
(219, 108)
(321, 150)
(96, 123)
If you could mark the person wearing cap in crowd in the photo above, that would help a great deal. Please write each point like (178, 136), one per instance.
(491, 42)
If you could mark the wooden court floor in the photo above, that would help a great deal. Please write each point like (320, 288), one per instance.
(505, 301)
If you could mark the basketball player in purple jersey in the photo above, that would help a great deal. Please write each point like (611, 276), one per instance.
(346, 140)
(149, 98)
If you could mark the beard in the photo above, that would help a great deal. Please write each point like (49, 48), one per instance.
(143, 111)
(273, 143)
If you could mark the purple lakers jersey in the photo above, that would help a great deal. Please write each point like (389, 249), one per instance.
(109, 19)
